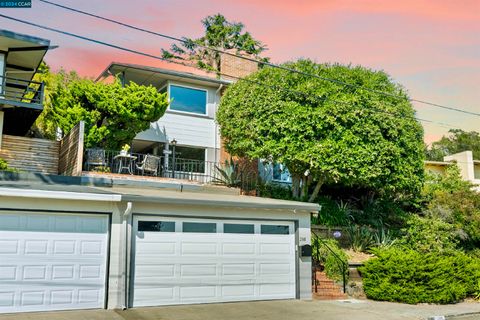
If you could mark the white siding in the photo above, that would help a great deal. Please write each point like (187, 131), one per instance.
(187, 129)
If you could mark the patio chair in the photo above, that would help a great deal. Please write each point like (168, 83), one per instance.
(95, 158)
(149, 164)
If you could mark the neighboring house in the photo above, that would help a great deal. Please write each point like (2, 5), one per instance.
(469, 168)
(21, 99)
(72, 240)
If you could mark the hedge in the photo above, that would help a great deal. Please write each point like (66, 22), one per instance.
(408, 276)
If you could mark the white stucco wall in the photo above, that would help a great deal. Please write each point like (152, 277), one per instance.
(464, 161)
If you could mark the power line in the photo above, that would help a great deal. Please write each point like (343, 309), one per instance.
(222, 74)
(260, 61)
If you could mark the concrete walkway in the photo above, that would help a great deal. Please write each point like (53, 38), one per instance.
(268, 310)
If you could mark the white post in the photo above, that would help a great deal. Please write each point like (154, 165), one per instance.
(2, 73)
(1, 128)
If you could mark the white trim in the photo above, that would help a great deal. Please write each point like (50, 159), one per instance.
(170, 83)
(44, 194)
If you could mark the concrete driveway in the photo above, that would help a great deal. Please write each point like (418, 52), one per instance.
(267, 310)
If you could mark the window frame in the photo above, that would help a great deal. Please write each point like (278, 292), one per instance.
(170, 84)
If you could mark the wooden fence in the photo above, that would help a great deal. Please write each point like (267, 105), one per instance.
(71, 152)
(30, 154)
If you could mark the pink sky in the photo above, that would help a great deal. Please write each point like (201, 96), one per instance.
(431, 47)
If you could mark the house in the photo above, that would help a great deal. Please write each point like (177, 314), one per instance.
(70, 239)
(190, 117)
(469, 168)
(21, 102)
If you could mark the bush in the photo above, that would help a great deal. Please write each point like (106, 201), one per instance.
(275, 191)
(409, 276)
(332, 261)
(333, 213)
(429, 234)
(452, 200)
(3, 165)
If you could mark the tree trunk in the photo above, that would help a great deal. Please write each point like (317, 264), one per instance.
(315, 192)
(295, 186)
(305, 186)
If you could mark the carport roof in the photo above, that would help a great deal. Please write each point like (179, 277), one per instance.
(145, 195)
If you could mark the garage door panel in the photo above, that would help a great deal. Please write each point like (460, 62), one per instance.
(155, 248)
(50, 265)
(275, 290)
(238, 291)
(211, 267)
(243, 248)
(198, 248)
(238, 269)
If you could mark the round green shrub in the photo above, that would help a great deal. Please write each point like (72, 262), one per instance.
(404, 275)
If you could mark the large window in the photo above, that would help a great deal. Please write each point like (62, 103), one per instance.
(188, 99)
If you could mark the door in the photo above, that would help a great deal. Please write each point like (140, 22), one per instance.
(52, 261)
(186, 261)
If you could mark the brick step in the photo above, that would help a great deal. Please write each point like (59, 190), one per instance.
(327, 289)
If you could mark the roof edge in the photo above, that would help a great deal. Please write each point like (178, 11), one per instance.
(24, 37)
(188, 75)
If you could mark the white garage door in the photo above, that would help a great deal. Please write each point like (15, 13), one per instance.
(181, 261)
(52, 261)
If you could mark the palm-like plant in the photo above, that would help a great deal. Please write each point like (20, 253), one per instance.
(228, 175)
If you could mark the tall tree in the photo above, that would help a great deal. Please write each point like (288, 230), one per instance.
(456, 141)
(113, 114)
(219, 34)
(325, 132)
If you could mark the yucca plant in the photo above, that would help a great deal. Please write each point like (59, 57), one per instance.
(228, 175)
(361, 238)
(384, 238)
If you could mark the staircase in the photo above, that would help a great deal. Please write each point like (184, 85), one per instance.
(327, 289)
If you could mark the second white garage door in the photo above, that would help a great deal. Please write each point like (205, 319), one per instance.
(182, 261)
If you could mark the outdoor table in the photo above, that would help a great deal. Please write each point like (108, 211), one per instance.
(125, 162)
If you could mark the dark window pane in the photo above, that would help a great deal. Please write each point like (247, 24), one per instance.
(156, 226)
(238, 228)
(188, 99)
(189, 153)
(274, 229)
(189, 159)
(199, 227)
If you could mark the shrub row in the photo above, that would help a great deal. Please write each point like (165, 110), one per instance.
(404, 275)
